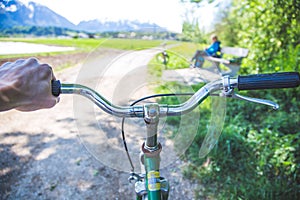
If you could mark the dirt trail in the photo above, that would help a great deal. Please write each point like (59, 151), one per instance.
(42, 157)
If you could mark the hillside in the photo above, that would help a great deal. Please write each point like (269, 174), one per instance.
(14, 14)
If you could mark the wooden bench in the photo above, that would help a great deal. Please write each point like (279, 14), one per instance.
(233, 64)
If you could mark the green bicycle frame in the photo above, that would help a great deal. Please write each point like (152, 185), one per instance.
(157, 187)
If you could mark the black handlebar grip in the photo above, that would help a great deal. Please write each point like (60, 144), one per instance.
(269, 81)
(56, 88)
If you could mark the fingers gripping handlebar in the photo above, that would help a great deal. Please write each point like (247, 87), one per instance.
(251, 82)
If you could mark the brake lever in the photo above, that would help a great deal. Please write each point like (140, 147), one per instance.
(274, 105)
(228, 91)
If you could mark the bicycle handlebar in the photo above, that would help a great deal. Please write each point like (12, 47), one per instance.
(251, 82)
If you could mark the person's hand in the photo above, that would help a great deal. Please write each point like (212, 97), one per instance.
(26, 85)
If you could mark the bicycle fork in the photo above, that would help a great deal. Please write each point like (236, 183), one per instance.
(152, 184)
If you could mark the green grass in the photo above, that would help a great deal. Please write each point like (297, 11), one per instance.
(89, 44)
(186, 49)
(179, 57)
(85, 45)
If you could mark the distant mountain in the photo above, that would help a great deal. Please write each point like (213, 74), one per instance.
(15, 13)
(122, 25)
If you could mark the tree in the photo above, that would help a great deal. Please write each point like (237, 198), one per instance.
(270, 29)
(191, 32)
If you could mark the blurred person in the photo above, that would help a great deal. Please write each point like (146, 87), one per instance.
(213, 50)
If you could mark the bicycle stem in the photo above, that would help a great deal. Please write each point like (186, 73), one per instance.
(151, 119)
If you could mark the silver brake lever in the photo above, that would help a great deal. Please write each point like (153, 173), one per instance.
(229, 92)
(274, 105)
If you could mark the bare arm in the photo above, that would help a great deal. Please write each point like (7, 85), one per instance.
(26, 85)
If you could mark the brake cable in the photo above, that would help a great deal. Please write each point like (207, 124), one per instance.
(135, 102)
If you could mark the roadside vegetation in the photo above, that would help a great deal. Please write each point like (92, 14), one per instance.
(257, 155)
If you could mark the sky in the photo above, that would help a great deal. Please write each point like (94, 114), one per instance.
(165, 13)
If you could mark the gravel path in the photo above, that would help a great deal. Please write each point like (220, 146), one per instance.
(42, 157)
